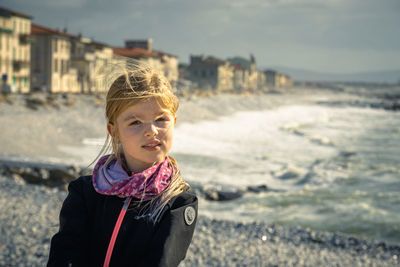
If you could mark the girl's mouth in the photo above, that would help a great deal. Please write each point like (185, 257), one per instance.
(152, 147)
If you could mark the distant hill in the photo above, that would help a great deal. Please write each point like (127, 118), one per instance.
(390, 76)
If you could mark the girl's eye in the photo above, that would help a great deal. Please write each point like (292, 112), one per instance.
(161, 119)
(135, 123)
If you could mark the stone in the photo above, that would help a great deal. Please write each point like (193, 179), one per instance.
(257, 188)
(211, 194)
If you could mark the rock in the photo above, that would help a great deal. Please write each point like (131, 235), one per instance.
(34, 103)
(31, 176)
(59, 177)
(44, 174)
(257, 188)
(18, 179)
(215, 195)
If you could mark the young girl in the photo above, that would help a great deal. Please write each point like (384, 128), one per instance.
(135, 209)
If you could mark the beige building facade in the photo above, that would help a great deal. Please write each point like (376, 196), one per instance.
(276, 80)
(146, 56)
(252, 82)
(169, 66)
(143, 50)
(240, 77)
(211, 73)
(88, 58)
(15, 42)
(50, 62)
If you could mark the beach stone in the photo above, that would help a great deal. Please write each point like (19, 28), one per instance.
(257, 188)
(18, 179)
(31, 176)
(214, 195)
(59, 177)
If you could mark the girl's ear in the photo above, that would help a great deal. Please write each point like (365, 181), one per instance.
(111, 129)
(174, 120)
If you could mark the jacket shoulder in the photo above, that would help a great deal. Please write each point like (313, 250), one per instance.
(83, 187)
(82, 183)
(183, 199)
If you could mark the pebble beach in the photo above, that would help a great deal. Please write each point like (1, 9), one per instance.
(32, 129)
(29, 217)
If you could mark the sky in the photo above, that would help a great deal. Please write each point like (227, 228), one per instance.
(331, 36)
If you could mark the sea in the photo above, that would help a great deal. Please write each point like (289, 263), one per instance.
(330, 158)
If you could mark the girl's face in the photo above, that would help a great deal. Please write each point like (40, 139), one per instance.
(145, 131)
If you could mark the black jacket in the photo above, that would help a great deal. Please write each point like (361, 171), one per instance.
(87, 220)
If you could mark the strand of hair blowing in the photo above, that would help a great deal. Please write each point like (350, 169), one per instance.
(132, 82)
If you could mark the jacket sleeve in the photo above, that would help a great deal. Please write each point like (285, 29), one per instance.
(69, 244)
(173, 235)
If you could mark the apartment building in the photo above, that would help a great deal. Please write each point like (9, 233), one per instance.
(88, 57)
(15, 42)
(277, 80)
(240, 77)
(140, 54)
(169, 62)
(51, 61)
(250, 66)
(169, 66)
(211, 73)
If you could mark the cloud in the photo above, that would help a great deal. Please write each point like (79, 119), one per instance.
(51, 3)
(230, 27)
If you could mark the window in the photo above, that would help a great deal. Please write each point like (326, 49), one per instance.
(55, 65)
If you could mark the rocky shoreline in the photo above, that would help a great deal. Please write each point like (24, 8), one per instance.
(56, 175)
(29, 217)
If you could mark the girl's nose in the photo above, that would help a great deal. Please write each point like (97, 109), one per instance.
(151, 130)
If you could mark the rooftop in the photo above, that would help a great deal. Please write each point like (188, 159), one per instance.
(42, 30)
(4, 12)
(134, 52)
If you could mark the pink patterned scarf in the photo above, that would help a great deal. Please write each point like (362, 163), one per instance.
(112, 179)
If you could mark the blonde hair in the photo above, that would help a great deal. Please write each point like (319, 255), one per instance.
(131, 82)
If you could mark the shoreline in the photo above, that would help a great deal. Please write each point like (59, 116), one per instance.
(45, 121)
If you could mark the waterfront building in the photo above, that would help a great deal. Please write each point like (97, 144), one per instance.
(141, 54)
(276, 80)
(15, 53)
(146, 44)
(51, 61)
(169, 66)
(168, 62)
(211, 73)
(250, 65)
(240, 77)
(261, 80)
(88, 57)
(285, 80)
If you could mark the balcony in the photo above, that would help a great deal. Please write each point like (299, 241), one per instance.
(5, 30)
(26, 39)
(20, 64)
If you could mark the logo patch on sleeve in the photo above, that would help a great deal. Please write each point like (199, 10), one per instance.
(189, 215)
